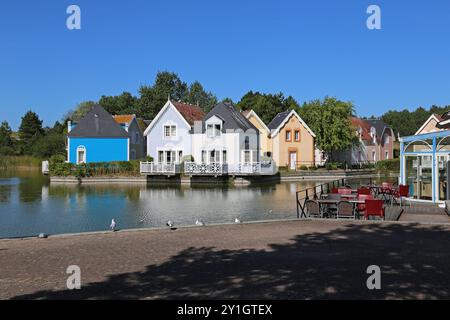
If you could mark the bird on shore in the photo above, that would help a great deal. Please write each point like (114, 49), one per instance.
(237, 220)
(113, 225)
(169, 224)
(199, 223)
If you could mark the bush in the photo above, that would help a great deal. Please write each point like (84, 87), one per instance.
(312, 168)
(303, 167)
(388, 165)
(187, 158)
(331, 166)
(149, 159)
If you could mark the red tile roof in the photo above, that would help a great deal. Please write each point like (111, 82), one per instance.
(190, 112)
(124, 118)
(364, 125)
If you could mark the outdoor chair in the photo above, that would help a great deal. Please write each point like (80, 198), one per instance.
(386, 191)
(334, 190)
(361, 207)
(313, 209)
(345, 210)
(374, 208)
(402, 192)
(344, 191)
(363, 191)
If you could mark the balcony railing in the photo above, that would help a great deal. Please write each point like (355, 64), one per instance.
(257, 168)
(215, 169)
(151, 168)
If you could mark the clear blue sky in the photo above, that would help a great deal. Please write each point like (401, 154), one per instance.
(307, 49)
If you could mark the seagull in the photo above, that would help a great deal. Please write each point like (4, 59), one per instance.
(236, 220)
(169, 224)
(199, 223)
(270, 211)
(113, 225)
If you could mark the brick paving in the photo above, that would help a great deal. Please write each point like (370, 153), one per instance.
(275, 260)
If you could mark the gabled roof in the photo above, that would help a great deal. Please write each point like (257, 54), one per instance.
(433, 116)
(232, 119)
(124, 118)
(365, 128)
(188, 113)
(280, 120)
(97, 123)
(250, 113)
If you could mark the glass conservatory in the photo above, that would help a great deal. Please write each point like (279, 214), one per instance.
(423, 165)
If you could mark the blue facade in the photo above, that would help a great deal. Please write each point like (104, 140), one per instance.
(99, 149)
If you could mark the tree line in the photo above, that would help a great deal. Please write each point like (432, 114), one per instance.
(329, 117)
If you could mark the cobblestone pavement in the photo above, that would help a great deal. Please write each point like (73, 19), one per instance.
(291, 260)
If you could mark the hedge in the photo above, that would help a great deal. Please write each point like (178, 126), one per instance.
(58, 167)
(388, 165)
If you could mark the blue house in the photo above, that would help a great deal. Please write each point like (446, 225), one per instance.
(97, 137)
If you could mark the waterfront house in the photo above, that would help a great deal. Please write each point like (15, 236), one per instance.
(375, 142)
(264, 132)
(135, 128)
(430, 125)
(169, 137)
(292, 142)
(225, 142)
(97, 138)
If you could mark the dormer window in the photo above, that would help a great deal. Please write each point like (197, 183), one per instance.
(213, 130)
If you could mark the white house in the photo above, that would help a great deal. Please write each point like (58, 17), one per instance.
(225, 142)
(169, 137)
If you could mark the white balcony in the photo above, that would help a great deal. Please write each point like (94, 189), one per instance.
(256, 168)
(152, 168)
(205, 169)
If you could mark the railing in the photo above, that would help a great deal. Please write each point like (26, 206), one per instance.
(216, 168)
(159, 168)
(315, 193)
(257, 168)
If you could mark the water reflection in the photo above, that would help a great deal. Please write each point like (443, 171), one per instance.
(30, 205)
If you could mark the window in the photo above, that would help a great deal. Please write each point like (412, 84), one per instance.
(386, 155)
(203, 156)
(297, 135)
(374, 158)
(170, 156)
(224, 156)
(288, 135)
(180, 156)
(136, 137)
(214, 156)
(247, 143)
(81, 154)
(386, 139)
(170, 131)
(160, 156)
(213, 130)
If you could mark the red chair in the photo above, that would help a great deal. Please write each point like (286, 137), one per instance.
(344, 191)
(334, 190)
(363, 191)
(374, 208)
(361, 207)
(402, 192)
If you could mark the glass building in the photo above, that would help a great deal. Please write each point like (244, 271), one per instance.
(423, 165)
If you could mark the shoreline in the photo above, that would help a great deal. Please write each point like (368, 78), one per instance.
(236, 180)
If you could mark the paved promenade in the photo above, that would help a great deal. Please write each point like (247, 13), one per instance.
(292, 260)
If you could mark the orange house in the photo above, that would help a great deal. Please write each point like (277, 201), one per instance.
(291, 140)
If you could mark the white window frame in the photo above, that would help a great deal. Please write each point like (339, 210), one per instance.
(172, 126)
(81, 148)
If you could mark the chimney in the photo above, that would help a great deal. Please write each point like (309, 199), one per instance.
(69, 126)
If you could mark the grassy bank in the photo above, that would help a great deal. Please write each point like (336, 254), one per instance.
(19, 163)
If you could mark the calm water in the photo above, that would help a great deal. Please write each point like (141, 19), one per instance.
(29, 205)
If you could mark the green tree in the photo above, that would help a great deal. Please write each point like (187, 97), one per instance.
(6, 142)
(153, 98)
(80, 111)
(125, 103)
(30, 129)
(330, 120)
(196, 95)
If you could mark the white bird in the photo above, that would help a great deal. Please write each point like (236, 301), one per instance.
(113, 225)
(199, 223)
(270, 211)
(169, 224)
(236, 220)
(141, 221)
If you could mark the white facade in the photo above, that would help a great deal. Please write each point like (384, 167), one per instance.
(168, 136)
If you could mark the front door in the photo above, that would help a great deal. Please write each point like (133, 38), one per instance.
(292, 160)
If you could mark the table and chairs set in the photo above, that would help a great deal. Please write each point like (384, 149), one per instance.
(366, 202)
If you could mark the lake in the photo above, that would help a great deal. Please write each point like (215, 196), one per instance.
(29, 205)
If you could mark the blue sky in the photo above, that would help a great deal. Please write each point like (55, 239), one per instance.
(307, 49)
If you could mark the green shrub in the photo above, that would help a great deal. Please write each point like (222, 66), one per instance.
(312, 168)
(149, 159)
(388, 165)
(331, 166)
(303, 167)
